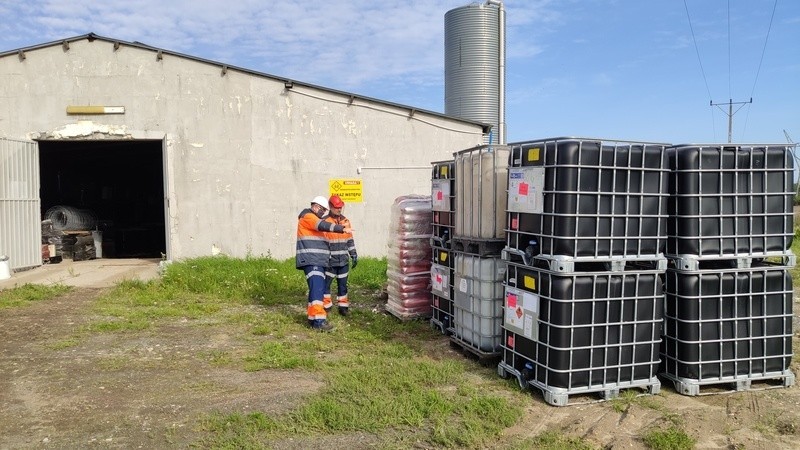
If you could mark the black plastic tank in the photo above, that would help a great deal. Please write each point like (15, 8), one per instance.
(572, 331)
(728, 322)
(595, 199)
(728, 200)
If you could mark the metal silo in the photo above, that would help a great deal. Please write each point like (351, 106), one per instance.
(474, 69)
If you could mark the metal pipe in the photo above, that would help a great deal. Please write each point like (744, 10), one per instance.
(501, 64)
(359, 169)
(502, 77)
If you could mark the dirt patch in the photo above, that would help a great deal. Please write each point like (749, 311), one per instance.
(122, 390)
(150, 389)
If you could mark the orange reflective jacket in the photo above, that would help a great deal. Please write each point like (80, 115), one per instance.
(342, 245)
(312, 247)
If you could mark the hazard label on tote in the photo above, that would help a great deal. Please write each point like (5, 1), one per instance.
(349, 189)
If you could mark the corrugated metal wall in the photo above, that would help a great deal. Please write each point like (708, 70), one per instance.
(20, 215)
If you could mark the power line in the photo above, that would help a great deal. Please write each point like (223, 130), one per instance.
(763, 52)
(730, 90)
(696, 49)
(700, 61)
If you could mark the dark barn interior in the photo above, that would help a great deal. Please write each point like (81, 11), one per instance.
(117, 185)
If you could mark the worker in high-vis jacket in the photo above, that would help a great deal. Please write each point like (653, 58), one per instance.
(343, 254)
(313, 256)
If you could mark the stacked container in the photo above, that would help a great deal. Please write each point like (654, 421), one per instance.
(728, 314)
(478, 239)
(585, 238)
(409, 257)
(443, 211)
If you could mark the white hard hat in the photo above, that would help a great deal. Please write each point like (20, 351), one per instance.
(321, 201)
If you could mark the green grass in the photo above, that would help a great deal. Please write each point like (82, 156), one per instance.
(64, 343)
(552, 440)
(377, 372)
(208, 287)
(264, 280)
(29, 293)
(380, 395)
(672, 438)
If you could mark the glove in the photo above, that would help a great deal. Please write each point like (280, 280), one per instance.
(354, 262)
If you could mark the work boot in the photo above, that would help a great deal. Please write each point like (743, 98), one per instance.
(321, 325)
(344, 310)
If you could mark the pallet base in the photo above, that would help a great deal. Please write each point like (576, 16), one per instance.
(570, 264)
(578, 396)
(691, 387)
(484, 357)
(693, 263)
(479, 247)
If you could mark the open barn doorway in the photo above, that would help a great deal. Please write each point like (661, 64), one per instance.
(117, 185)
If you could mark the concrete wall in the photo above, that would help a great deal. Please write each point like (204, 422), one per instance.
(244, 154)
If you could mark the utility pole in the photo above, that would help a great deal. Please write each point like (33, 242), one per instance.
(730, 113)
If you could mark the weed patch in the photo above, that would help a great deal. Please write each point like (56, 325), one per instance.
(28, 293)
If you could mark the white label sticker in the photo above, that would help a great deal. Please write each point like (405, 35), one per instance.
(462, 285)
(528, 329)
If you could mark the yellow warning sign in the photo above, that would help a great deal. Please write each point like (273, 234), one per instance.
(349, 189)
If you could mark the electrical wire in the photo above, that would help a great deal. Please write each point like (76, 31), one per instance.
(758, 71)
(730, 90)
(697, 50)
(700, 61)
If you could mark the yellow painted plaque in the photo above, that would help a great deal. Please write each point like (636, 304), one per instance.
(349, 189)
(533, 154)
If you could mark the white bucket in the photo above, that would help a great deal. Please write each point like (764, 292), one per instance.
(5, 268)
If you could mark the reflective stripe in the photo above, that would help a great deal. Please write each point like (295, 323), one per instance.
(315, 273)
(312, 250)
(316, 310)
(342, 302)
(341, 245)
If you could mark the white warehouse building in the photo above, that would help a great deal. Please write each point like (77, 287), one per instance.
(186, 157)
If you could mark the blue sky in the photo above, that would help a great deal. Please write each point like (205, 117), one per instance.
(614, 69)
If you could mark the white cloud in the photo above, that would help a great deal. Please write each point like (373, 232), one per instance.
(341, 44)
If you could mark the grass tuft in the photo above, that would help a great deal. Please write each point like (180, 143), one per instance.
(673, 438)
(29, 293)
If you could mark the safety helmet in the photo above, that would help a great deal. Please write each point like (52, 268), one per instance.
(321, 201)
(335, 201)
